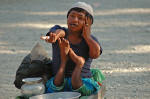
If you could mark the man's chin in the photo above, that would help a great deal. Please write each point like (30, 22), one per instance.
(74, 29)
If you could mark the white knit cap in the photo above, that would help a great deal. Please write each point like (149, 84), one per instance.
(84, 6)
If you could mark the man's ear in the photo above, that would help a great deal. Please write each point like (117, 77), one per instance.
(90, 17)
(91, 21)
(88, 20)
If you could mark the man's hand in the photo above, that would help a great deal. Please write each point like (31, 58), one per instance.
(87, 27)
(53, 37)
(94, 48)
(50, 39)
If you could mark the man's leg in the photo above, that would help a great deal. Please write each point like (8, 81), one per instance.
(64, 49)
(76, 75)
(86, 86)
(57, 83)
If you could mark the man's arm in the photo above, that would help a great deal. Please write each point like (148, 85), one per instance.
(94, 47)
(64, 50)
(54, 33)
(53, 37)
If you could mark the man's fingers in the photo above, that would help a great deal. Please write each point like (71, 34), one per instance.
(53, 37)
(51, 34)
(44, 37)
(64, 40)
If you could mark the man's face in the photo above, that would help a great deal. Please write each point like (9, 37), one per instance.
(76, 20)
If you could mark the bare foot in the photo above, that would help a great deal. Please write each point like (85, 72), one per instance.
(79, 61)
(52, 38)
(64, 48)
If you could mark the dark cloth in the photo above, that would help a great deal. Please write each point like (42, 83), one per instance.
(35, 68)
(80, 49)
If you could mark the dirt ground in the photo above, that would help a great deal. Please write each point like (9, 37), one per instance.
(122, 27)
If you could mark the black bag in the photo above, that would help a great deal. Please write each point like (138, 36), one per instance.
(39, 66)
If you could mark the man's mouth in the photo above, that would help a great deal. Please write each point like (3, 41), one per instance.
(73, 25)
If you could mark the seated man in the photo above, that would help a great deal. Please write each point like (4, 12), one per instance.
(74, 48)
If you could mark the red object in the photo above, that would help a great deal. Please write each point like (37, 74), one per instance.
(99, 83)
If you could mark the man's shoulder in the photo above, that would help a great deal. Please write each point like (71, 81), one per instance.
(55, 27)
(94, 37)
(58, 27)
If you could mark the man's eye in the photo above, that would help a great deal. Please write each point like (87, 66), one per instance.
(72, 16)
(80, 18)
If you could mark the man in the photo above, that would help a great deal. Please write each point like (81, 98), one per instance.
(73, 50)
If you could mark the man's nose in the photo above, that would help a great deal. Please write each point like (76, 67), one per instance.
(76, 19)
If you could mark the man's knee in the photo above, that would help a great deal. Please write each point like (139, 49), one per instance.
(85, 90)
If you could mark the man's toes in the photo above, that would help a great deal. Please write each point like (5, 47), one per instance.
(59, 41)
(66, 41)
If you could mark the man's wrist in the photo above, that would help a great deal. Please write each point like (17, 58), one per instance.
(87, 38)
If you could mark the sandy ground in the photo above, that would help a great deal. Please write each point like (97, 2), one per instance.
(122, 27)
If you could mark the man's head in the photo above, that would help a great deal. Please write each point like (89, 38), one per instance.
(78, 13)
(82, 7)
